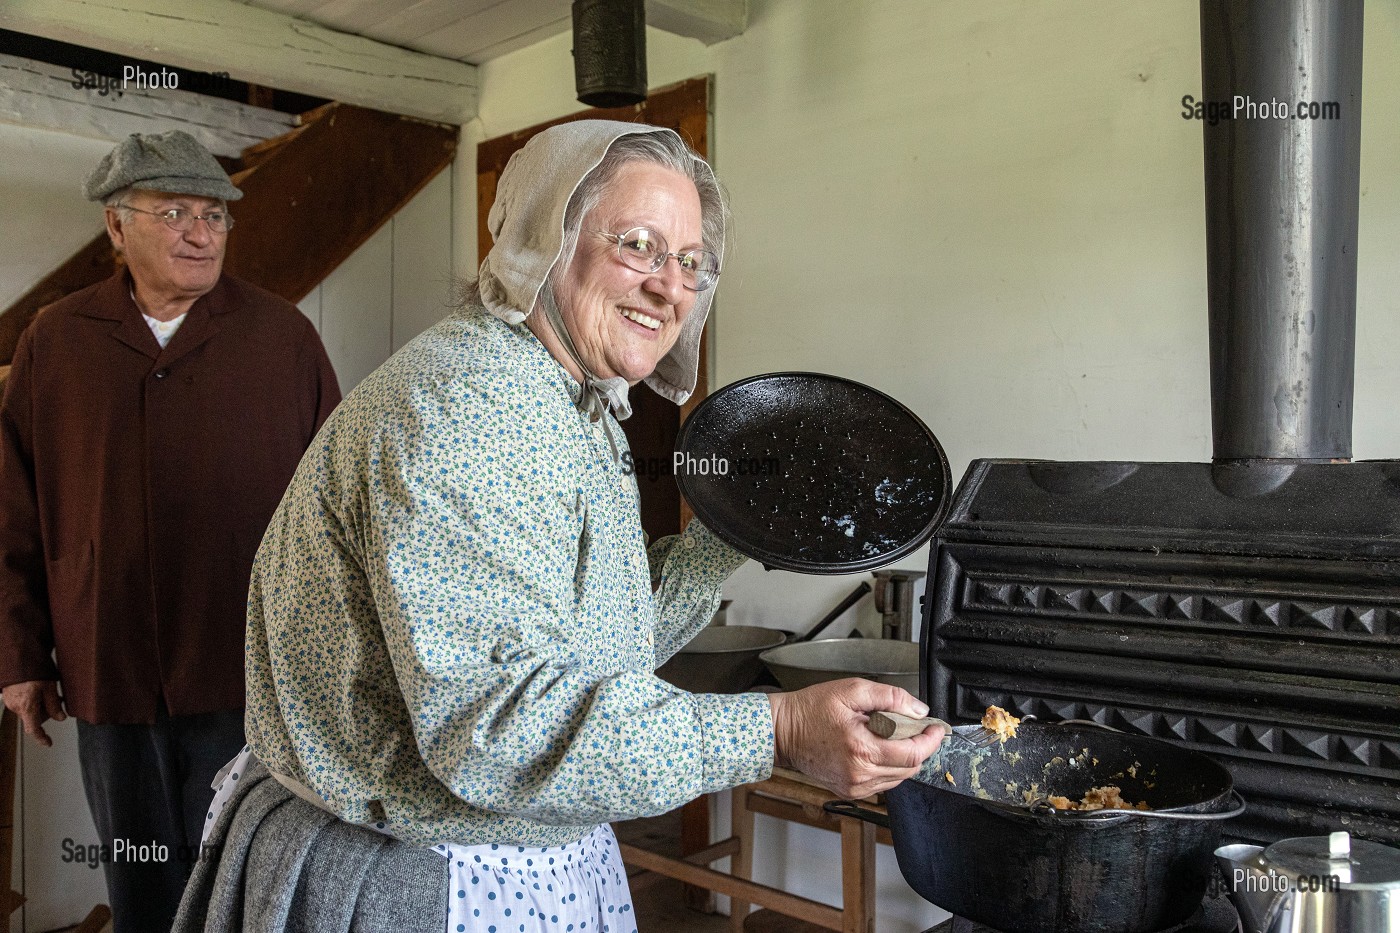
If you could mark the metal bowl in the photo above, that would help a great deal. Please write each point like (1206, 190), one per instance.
(887, 661)
(721, 659)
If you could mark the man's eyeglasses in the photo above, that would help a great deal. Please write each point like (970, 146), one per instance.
(181, 220)
(644, 249)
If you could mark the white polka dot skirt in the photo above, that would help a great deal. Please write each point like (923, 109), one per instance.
(575, 888)
(225, 783)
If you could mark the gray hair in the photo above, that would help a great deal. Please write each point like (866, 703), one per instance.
(117, 202)
(667, 150)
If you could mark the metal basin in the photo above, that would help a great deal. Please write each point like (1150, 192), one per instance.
(802, 664)
(721, 659)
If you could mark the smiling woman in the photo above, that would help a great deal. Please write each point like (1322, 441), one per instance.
(462, 545)
(609, 319)
(622, 320)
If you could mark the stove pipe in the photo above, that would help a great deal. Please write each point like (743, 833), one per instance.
(1282, 191)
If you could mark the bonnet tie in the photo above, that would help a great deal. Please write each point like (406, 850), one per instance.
(596, 395)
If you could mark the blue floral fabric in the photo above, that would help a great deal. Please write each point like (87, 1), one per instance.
(452, 626)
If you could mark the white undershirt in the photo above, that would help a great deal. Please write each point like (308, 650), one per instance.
(164, 330)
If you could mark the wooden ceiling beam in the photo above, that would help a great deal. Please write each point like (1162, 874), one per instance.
(494, 32)
(38, 94)
(710, 21)
(261, 47)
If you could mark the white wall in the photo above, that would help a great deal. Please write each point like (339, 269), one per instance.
(391, 289)
(44, 218)
(394, 286)
(992, 211)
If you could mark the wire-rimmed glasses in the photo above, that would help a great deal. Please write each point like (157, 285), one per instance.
(644, 249)
(181, 220)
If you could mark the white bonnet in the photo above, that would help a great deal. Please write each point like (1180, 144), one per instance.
(527, 229)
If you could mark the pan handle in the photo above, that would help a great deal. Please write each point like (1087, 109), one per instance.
(851, 809)
(1043, 808)
(854, 597)
(1084, 722)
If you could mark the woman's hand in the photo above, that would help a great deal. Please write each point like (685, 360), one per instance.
(821, 732)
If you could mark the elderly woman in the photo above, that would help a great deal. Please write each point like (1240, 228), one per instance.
(454, 619)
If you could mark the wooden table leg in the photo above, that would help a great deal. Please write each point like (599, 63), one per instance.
(857, 876)
(695, 835)
(741, 863)
(787, 799)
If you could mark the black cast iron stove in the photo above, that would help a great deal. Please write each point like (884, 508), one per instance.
(1258, 625)
(1247, 608)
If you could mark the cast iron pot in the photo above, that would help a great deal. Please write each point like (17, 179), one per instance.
(972, 845)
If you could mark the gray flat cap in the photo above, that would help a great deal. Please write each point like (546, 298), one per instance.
(173, 162)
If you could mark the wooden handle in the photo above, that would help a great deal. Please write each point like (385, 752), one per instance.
(897, 726)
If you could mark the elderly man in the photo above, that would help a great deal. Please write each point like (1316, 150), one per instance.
(149, 427)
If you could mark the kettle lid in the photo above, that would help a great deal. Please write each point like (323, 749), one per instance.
(1337, 860)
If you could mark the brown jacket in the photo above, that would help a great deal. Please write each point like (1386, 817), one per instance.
(135, 486)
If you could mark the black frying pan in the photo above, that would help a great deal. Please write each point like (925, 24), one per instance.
(812, 473)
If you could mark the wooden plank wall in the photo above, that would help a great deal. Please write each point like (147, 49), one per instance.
(391, 289)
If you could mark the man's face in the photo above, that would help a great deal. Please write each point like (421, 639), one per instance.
(163, 261)
(600, 298)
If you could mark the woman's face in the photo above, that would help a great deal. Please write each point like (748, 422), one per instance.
(623, 321)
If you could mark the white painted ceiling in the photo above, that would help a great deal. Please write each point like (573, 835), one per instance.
(475, 31)
(471, 31)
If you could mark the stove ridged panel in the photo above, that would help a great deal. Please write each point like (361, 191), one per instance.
(1102, 600)
(1269, 645)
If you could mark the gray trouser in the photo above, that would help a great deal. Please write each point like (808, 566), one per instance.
(148, 785)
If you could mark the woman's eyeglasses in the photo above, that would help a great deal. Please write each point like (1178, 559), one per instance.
(644, 249)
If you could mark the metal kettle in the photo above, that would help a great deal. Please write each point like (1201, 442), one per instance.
(1314, 884)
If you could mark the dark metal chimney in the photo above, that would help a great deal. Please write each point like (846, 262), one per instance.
(1281, 217)
(1250, 608)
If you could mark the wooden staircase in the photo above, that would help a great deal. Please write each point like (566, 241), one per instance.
(311, 197)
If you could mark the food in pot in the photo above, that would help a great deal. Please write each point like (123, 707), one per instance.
(1001, 722)
(1108, 797)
